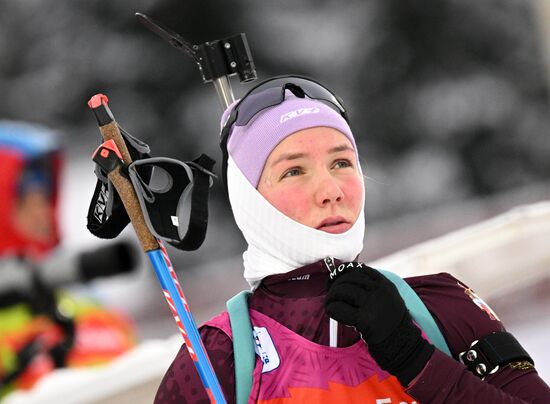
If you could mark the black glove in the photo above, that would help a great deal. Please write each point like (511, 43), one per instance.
(361, 297)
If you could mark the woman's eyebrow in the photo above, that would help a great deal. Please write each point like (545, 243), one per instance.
(289, 156)
(295, 156)
(343, 147)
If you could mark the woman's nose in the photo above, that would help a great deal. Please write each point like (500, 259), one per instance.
(328, 191)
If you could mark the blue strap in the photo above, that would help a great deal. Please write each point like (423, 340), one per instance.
(243, 344)
(418, 311)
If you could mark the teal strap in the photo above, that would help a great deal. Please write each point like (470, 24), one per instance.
(418, 311)
(243, 344)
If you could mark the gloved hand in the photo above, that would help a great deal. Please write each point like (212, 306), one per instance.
(361, 297)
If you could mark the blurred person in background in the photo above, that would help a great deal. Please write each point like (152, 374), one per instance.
(296, 188)
(43, 326)
(31, 163)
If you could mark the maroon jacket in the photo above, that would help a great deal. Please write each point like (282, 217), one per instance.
(296, 300)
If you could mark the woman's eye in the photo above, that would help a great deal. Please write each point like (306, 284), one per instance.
(291, 173)
(342, 164)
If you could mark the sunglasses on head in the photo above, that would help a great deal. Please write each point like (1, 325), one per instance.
(269, 93)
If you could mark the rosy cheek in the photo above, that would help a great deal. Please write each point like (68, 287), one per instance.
(292, 203)
(353, 190)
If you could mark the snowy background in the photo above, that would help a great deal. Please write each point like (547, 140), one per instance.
(448, 101)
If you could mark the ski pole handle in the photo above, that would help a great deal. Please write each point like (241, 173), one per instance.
(109, 131)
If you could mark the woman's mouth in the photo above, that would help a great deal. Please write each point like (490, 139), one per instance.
(335, 225)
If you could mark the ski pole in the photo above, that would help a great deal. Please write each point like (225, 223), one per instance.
(111, 156)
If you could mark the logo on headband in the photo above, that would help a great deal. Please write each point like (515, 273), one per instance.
(298, 112)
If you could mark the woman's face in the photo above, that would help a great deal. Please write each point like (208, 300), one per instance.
(34, 217)
(313, 178)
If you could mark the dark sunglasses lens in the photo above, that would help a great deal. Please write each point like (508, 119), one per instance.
(271, 93)
(257, 101)
(318, 92)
